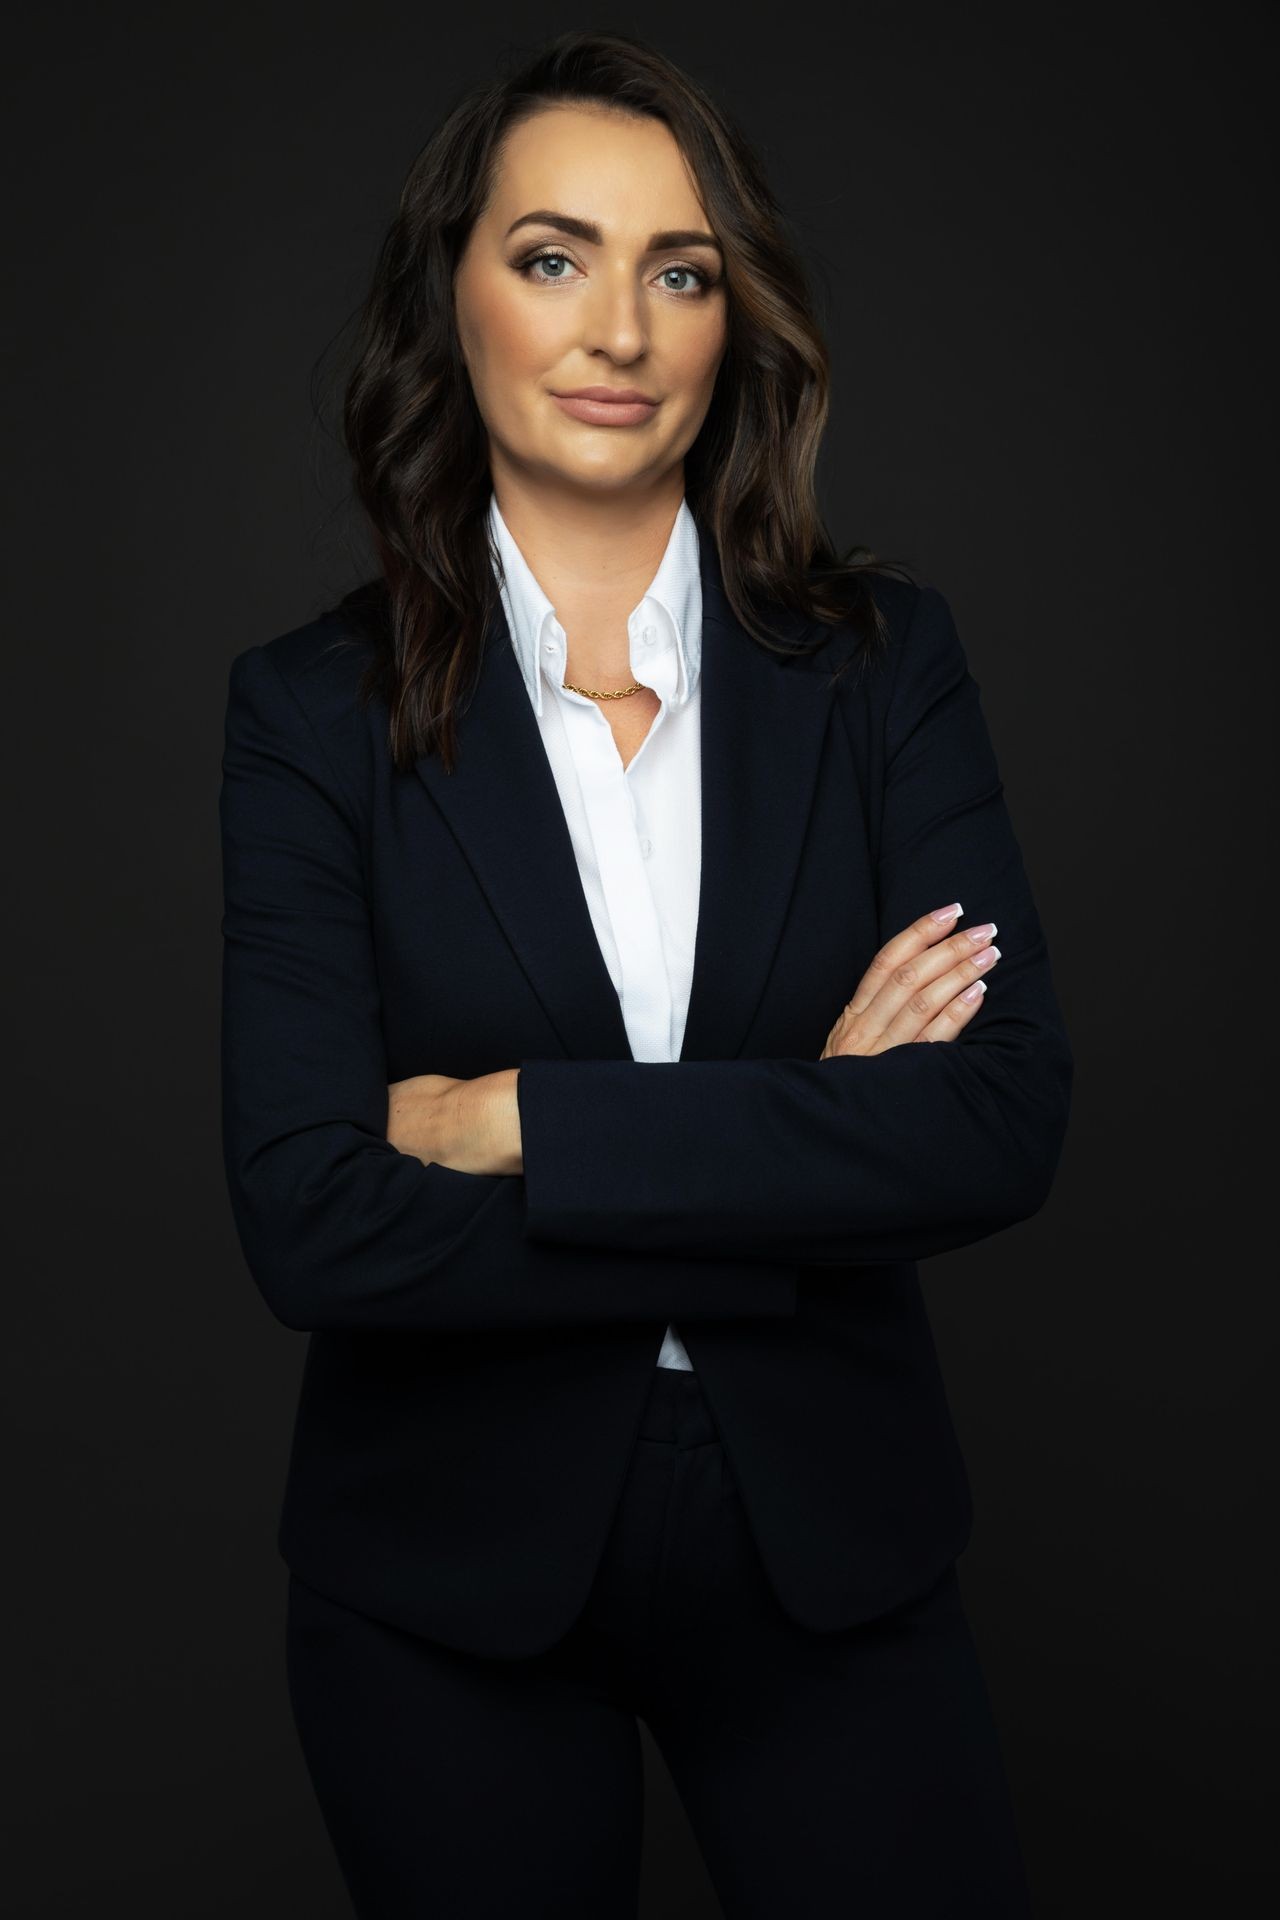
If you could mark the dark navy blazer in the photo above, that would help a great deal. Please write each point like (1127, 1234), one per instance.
(481, 1345)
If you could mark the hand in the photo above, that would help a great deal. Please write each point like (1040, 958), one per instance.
(470, 1125)
(916, 988)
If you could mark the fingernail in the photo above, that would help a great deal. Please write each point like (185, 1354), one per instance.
(947, 913)
(975, 992)
(987, 957)
(982, 933)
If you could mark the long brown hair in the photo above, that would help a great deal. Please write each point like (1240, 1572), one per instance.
(418, 443)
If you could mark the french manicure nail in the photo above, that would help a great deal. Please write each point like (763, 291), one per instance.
(947, 913)
(983, 933)
(987, 957)
(975, 992)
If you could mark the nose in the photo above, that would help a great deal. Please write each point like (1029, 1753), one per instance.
(614, 316)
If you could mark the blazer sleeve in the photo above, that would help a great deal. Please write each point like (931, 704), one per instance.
(339, 1228)
(891, 1156)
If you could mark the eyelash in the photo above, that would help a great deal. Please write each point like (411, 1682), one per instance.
(706, 280)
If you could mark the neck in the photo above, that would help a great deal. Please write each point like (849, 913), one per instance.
(594, 556)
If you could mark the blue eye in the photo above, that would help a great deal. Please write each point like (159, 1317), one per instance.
(543, 256)
(705, 281)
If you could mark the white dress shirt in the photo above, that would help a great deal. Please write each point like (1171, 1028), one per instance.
(636, 830)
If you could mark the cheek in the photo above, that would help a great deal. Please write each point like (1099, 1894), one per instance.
(519, 336)
(500, 345)
(697, 354)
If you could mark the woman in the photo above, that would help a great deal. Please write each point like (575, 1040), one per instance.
(590, 877)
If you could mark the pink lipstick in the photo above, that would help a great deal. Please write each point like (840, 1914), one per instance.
(608, 406)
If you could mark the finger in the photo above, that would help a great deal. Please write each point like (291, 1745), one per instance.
(956, 1015)
(912, 996)
(914, 945)
(927, 1001)
(884, 991)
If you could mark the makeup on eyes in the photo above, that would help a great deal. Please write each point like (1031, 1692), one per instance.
(706, 280)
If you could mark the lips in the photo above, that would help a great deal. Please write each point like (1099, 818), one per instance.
(607, 407)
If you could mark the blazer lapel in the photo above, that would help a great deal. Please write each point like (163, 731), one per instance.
(762, 726)
(764, 719)
(503, 807)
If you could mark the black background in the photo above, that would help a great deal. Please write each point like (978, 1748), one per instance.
(1043, 240)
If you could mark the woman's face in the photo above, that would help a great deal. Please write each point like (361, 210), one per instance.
(621, 307)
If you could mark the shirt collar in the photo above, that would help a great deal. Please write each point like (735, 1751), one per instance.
(672, 604)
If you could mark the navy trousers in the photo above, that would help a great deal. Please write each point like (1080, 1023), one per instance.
(855, 1773)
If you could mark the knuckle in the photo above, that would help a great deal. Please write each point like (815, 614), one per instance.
(847, 1035)
(919, 1003)
(905, 974)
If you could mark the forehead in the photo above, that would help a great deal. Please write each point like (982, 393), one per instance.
(624, 171)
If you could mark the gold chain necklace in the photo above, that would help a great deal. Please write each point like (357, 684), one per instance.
(620, 695)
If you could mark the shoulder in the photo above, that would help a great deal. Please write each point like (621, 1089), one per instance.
(912, 623)
(321, 663)
(929, 657)
(309, 680)
(921, 643)
(917, 617)
(917, 665)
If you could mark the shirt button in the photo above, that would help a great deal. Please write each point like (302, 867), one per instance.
(646, 848)
(649, 636)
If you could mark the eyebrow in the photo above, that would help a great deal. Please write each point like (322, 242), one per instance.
(588, 230)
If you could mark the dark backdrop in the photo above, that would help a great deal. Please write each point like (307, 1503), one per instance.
(1042, 236)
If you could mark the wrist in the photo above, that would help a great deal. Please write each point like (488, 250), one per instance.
(507, 1122)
